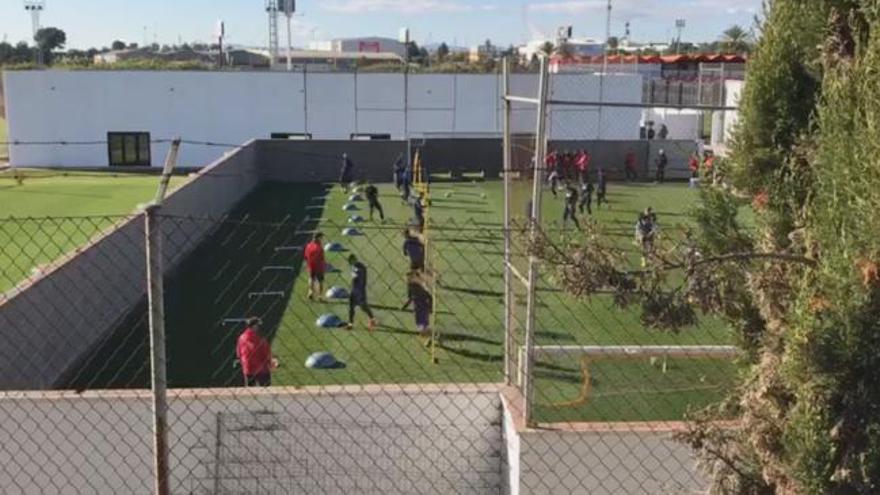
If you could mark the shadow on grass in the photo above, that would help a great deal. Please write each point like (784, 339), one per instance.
(213, 283)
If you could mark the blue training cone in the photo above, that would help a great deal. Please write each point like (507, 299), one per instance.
(336, 293)
(350, 207)
(355, 198)
(330, 268)
(351, 232)
(322, 361)
(333, 247)
(329, 320)
(355, 219)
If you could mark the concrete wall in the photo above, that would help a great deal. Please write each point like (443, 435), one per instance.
(232, 107)
(595, 458)
(321, 161)
(393, 439)
(59, 316)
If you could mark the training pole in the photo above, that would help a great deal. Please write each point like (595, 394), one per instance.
(155, 300)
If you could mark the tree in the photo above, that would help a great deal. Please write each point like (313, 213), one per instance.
(801, 288)
(547, 48)
(117, 45)
(613, 43)
(442, 51)
(49, 39)
(735, 39)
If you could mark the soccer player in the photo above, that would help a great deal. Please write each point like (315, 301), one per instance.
(553, 179)
(586, 197)
(550, 161)
(405, 183)
(661, 162)
(358, 295)
(694, 165)
(373, 200)
(629, 165)
(602, 188)
(414, 250)
(570, 212)
(582, 165)
(420, 297)
(419, 211)
(254, 353)
(646, 232)
(397, 172)
(314, 256)
(346, 175)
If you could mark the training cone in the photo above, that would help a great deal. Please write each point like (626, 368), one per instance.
(330, 268)
(355, 197)
(322, 361)
(355, 219)
(329, 320)
(351, 232)
(333, 247)
(336, 293)
(350, 207)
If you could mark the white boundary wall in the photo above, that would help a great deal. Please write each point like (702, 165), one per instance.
(233, 107)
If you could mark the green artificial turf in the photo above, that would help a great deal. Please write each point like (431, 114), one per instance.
(466, 250)
(29, 239)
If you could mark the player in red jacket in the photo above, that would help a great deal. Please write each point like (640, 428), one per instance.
(582, 165)
(254, 353)
(629, 165)
(314, 256)
(551, 160)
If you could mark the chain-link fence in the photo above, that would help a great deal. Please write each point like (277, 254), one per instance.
(356, 410)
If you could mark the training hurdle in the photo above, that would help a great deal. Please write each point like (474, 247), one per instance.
(288, 248)
(278, 268)
(234, 321)
(253, 295)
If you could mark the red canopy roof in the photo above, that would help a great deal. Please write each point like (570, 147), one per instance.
(712, 58)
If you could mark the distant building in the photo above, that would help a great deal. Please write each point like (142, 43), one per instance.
(115, 56)
(371, 44)
(313, 60)
(584, 47)
(482, 52)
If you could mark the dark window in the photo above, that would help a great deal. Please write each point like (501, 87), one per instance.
(129, 149)
(370, 137)
(292, 136)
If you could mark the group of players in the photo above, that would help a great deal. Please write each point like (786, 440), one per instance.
(253, 349)
(573, 169)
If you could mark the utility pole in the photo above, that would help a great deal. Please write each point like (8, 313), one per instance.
(289, 9)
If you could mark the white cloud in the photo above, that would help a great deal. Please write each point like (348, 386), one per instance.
(403, 6)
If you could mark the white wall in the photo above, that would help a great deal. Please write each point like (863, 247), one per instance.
(234, 107)
(732, 92)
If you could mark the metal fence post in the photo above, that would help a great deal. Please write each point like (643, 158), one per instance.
(155, 298)
(509, 340)
(156, 302)
(540, 153)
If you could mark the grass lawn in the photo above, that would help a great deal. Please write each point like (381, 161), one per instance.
(218, 281)
(49, 193)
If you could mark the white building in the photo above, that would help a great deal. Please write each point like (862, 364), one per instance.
(370, 44)
(133, 108)
(584, 47)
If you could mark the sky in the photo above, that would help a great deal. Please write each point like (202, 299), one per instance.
(458, 22)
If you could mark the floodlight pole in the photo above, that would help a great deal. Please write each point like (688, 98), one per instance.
(289, 9)
(604, 68)
(155, 300)
(509, 341)
(535, 224)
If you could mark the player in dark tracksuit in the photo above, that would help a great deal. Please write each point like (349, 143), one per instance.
(570, 212)
(414, 250)
(419, 212)
(423, 303)
(358, 296)
(601, 189)
(586, 198)
(397, 172)
(346, 175)
(373, 200)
